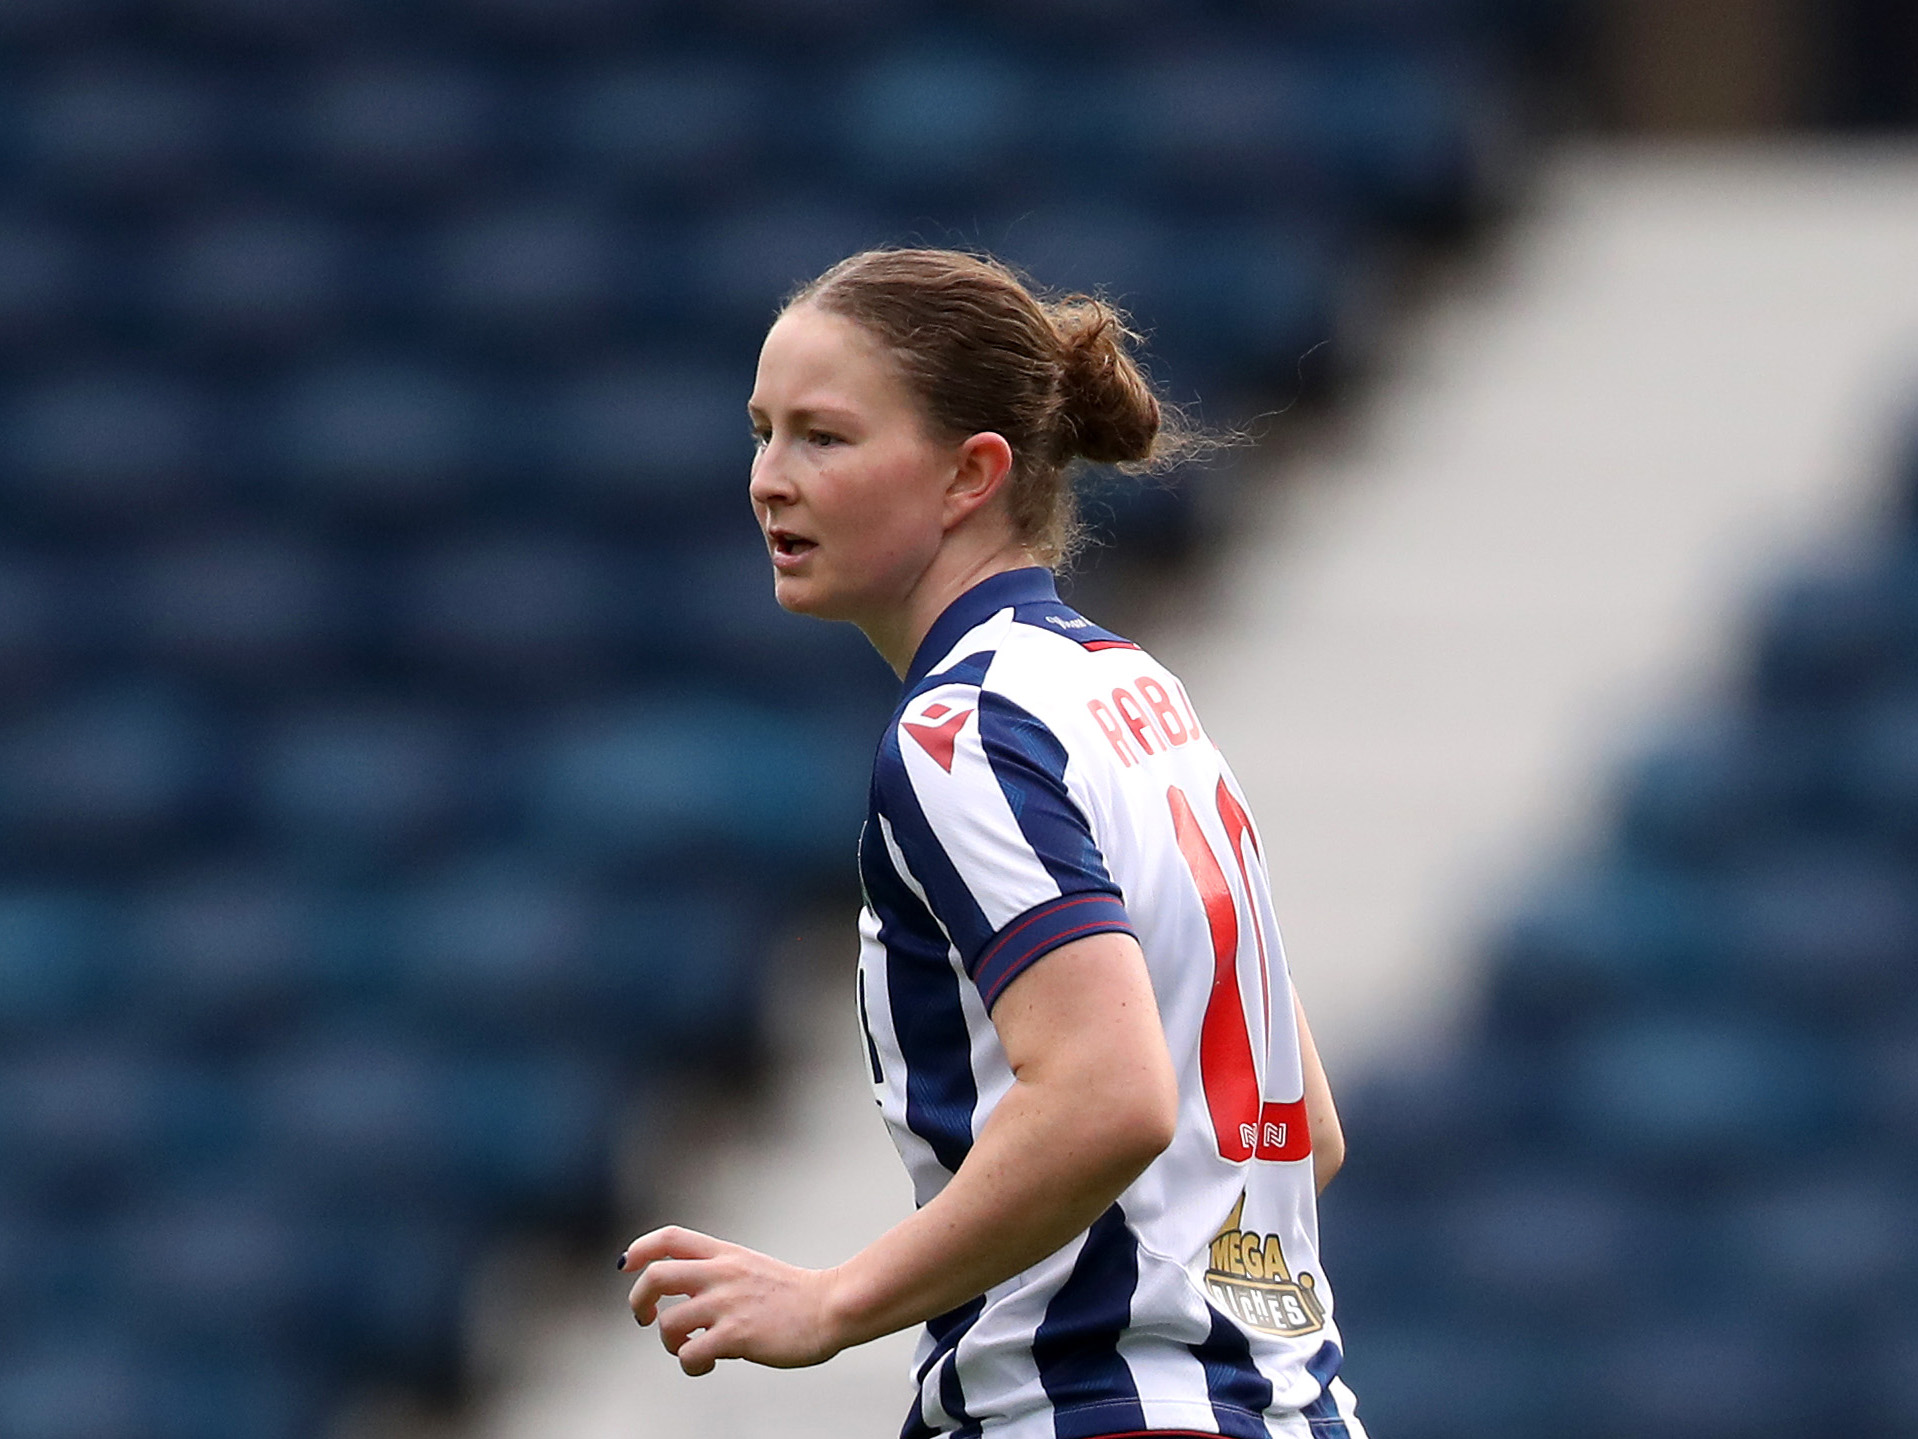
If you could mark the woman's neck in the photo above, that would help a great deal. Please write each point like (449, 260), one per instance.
(898, 634)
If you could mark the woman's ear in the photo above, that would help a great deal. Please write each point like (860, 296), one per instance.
(984, 462)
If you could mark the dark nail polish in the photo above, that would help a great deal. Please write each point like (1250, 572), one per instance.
(620, 1263)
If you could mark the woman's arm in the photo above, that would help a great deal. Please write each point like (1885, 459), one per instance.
(1328, 1139)
(1094, 1101)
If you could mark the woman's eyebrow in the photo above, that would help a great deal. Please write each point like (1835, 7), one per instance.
(808, 414)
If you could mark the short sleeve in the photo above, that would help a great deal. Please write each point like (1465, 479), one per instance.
(980, 820)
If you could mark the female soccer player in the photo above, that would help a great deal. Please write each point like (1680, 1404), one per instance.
(1078, 1018)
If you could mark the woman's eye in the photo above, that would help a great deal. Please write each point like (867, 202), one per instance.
(761, 438)
(822, 437)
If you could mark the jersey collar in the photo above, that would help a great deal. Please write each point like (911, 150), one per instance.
(985, 599)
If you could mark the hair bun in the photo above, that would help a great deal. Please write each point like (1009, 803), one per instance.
(1107, 410)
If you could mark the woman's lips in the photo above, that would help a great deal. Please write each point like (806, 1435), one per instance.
(789, 550)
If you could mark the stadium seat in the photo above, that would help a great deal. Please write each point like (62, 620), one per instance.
(231, 954)
(927, 123)
(1552, 1244)
(1684, 1092)
(1826, 929)
(573, 24)
(105, 774)
(37, 633)
(96, 1390)
(1889, 1377)
(665, 784)
(498, 949)
(716, 600)
(53, 958)
(1251, 299)
(1832, 1245)
(1112, 250)
(1595, 943)
(86, 1121)
(367, 1115)
(258, 608)
(1730, 1373)
(244, 1272)
(314, 25)
(351, 784)
(1878, 764)
(518, 612)
(107, 447)
(647, 436)
(1835, 636)
(47, 273)
(381, 438)
(121, 1386)
(675, 129)
(1887, 1077)
(1711, 791)
(381, 129)
(540, 271)
(682, 975)
(258, 277)
(119, 129)
(805, 25)
(1449, 1380)
(744, 259)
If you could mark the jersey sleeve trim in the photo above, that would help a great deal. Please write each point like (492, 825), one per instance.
(1042, 929)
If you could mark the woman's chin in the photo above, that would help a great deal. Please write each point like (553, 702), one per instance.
(802, 597)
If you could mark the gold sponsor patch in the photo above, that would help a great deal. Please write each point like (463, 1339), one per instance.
(1249, 1279)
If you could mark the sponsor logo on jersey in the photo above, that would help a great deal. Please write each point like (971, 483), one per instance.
(937, 731)
(1248, 1278)
(1077, 622)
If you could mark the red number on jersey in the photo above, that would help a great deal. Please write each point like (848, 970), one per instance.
(1245, 1125)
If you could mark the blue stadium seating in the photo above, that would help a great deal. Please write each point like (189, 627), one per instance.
(641, 435)
(1703, 1200)
(400, 131)
(45, 270)
(403, 765)
(105, 447)
(259, 606)
(101, 128)
(676, 132)
(269, 277)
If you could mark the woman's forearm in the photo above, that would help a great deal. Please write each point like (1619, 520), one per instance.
(1093, 1101)
(1322, 1116)
(1035, 1178)
(1091, 1107)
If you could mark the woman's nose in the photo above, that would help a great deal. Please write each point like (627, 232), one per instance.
(769, 485)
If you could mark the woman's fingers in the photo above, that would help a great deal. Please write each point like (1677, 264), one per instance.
(672, 1242)
(735, 1303)
(677, 1324)
(668, 1262)
(702, 1351)
(663, 1277)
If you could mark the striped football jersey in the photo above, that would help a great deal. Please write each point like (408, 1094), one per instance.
(1043, 780)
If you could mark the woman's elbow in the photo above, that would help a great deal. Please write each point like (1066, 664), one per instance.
(1328, 1157)
(1150, 1119)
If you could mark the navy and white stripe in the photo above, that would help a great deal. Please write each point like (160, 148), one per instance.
(1019, 803)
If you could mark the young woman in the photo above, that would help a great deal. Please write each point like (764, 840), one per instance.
(1077, 1014)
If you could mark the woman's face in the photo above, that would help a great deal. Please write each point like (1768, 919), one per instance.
(848, 485)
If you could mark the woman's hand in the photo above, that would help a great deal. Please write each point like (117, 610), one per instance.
(1094, 1101)
(739, 1304)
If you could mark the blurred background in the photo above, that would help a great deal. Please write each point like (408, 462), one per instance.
(426, 854)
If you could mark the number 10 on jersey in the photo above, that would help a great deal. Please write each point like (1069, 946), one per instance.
(1246, 1125)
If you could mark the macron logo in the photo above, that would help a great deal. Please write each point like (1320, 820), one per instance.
(938, 731)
